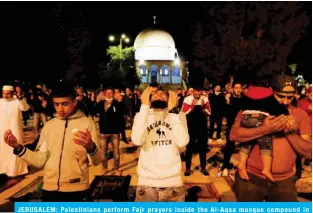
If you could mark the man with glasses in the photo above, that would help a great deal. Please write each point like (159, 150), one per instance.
(160, 129)
(287, 143)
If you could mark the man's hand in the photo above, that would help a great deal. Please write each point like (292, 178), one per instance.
(227, 98)
(275, 124)
(173, 100)
(292, 125)
(44, 104)
(145, 96)
(79, 98)
(10, 139)
(84, 139)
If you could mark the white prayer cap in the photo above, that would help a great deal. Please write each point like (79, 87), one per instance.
(8, 88)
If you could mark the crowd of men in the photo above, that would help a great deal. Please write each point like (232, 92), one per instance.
(271, 121)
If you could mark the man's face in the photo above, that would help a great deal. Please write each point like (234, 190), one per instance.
(7, 94)
(109, 93)
(197, 94)
(80, 92)
(217, 88)
(284, 98)
(64, 106)
(128, 91)
(237, 89)
(159, 95)
(18, 89)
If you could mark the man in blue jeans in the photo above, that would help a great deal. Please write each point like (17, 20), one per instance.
(160, 129)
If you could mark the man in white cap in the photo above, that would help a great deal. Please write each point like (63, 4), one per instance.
(11, 118)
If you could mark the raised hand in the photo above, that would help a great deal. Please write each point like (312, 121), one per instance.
(145, 96)
(10, 139)
(173, 100)
(84, 139)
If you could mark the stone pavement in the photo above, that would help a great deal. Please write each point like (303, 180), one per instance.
(129, 159)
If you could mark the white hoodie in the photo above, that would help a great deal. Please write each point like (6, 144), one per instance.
(160, 134)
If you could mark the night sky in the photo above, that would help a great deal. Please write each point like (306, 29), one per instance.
(30, 43)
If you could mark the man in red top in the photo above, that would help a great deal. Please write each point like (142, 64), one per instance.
(286, 146)
(306, 103)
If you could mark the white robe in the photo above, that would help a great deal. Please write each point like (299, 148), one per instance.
(11, 118)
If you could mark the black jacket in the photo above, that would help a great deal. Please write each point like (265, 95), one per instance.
(112, 120)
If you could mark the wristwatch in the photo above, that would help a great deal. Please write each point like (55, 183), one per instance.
(175, 110)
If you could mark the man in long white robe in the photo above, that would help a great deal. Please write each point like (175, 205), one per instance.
(11, 119)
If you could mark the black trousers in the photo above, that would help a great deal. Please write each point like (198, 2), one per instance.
(228, 149)
(215, 119)
(55, 196)
(197, 144)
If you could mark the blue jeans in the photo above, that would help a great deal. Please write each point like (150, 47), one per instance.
(264, 142)
(159, 194)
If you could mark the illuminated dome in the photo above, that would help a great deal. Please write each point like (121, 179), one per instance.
(154, 44)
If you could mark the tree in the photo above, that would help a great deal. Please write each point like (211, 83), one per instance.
(247, 39)
(121, 61)
(74, 40)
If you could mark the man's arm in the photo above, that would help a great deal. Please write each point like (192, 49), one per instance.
(23, 105)
(301, 141)
(139, 131)
(179, 128)
(95, 155)
(302, 144)
(37, 158)
(242, 135)
(188, 107)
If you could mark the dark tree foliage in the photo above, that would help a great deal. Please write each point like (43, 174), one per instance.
(247, 39)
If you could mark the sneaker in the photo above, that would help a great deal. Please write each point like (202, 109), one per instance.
(204, 172)
(225, 173)
(220, 140)
(187, 173)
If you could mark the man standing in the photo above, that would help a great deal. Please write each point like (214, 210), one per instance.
(11, 118)
(197, 108)
(287, 143)
(160, 130)
(233, 106)
(217, 103)
(111, 123)
(65, 144)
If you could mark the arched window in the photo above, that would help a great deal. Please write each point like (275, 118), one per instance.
(166, 72)
(143, 69)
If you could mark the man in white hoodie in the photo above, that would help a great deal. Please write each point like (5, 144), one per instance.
(160, 129)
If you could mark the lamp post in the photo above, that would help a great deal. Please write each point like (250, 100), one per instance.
(123, 37)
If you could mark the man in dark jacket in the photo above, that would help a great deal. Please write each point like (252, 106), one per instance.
(233, 106)
(217, 103)
(197, 108)
(111, 123)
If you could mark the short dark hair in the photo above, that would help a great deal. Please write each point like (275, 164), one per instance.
(63, 90)
(236, 82)
(110, 88)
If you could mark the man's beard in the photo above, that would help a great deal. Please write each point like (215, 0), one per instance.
(158, 104)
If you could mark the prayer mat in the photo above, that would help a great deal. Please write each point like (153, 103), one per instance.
(6, 182)
(196, 192)
(113, 188)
